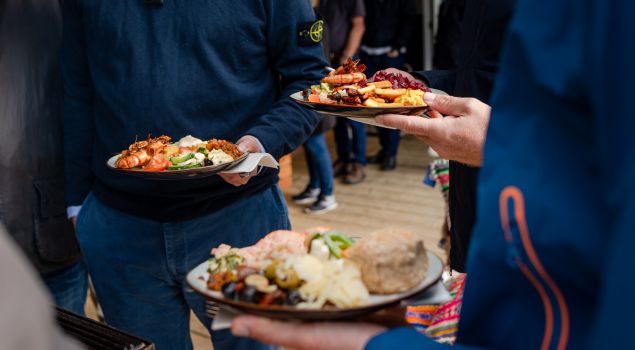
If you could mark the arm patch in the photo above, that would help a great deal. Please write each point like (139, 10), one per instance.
(310, 33)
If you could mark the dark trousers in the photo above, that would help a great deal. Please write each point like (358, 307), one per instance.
(138, 266)
(69, 286)
(319, 161)
(388, 138)
(350, 149)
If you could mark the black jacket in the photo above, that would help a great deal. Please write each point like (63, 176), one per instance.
(484, 27)
(31, 165)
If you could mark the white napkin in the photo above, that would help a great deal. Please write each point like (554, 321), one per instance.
(436, 294)
(253, 161)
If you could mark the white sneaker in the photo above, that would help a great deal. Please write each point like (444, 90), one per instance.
(322, 205)
(309, 195)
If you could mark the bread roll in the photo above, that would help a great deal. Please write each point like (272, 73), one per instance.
(391, 260)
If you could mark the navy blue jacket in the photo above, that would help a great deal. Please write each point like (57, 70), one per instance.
(213, 69)
(552, 252)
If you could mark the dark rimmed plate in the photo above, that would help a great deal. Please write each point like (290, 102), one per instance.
(193, 173)
(341, 110)
(197, 279)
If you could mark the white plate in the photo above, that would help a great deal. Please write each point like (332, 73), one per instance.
(197, 279)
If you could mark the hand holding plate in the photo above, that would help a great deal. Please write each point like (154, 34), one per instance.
(459, 136)
(299, 336)
(248, 144)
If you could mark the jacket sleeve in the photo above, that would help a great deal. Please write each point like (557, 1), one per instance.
(408, 338)
(78, 106)
(287, 125)
(610, 92)
(439, 79)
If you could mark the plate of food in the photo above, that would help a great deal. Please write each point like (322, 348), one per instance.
(346, 92)
(190, 157)
(318, 275)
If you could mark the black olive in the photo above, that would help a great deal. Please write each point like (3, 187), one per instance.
(293, 298)
(207, 162)
(229, 290)
(249, 294)
(306, 92)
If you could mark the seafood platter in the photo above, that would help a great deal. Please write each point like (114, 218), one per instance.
(190, 157)
(347, 92)
(321, 274)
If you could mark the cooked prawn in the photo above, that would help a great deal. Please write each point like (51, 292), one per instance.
(140, 152)
(339, 79)
(348, 73)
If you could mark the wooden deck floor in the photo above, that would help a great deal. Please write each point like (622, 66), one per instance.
(385, 199)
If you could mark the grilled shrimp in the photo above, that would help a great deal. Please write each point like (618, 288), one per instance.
(140, 152)
(340, 79)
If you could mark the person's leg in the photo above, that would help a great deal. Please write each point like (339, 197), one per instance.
(359, 142)
(312, 191)
(322, 160)
(355, 172)
(310, 151)
(241, 224)
(69, 286)
(138, 290)
(342, 140)
(343, 147)
(326, 201)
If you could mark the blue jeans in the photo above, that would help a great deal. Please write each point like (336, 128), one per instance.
(319, 161)
(68, 287)
(388, 138)
(138, 265)
(345, 145)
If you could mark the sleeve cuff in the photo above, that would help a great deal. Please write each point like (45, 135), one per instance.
(73, 211)
(405, 337)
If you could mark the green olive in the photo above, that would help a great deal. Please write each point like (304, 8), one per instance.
(291, 281)
(270, 271)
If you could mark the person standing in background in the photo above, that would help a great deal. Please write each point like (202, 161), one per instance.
(31, 167)
(389, 27)
(345, 26)
(319, 191)
(27, 320)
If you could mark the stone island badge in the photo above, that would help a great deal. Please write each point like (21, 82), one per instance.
(310, 33)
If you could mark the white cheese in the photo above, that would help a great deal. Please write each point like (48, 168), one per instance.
(219, 157)
(200, 157)
(189, 141)
(319, 249)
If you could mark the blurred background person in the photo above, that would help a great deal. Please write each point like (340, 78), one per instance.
(447, 43)
(389, 27)
(484, 26)
(27, 320)
(319, 191)
(345, 26)
(31, 167)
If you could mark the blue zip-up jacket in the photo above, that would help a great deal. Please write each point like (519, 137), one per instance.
(213, 69)
(551, 258)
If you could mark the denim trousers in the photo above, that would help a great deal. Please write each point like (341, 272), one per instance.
(68, 286)
(388, 138)
(318, 160)
(138, 266)
(347, 145)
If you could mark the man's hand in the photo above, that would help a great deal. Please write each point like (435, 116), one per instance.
(74, 221)
(459, 136)
(249, 144)
(300, 336)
